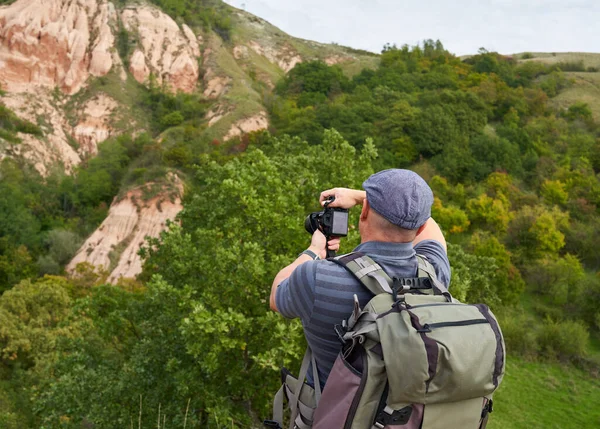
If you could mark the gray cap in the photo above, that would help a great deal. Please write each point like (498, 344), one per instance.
(400, 196)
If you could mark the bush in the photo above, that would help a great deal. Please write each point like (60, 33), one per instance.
(527, 56)
(519, 332)
(571, 66)
(172, 119)
(566, 340)
(62, 245)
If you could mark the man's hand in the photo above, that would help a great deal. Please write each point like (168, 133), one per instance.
(344, 198)
(318, 244)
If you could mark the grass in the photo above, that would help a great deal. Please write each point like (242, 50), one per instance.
(585, 88)
(586, 85)
(248, 27)
(545, 395)
(589, 59)
(128, 116)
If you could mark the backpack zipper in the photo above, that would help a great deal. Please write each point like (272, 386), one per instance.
(427, 327)
(437, 304)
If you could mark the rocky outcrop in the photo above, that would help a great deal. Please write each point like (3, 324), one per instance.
(166, 51)
(94, 125)
(115, 244)
(254, 123)
(284, 56)
(54, 43)
(337, 59)
(54, 147)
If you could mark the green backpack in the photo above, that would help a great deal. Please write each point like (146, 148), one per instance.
(413, 358)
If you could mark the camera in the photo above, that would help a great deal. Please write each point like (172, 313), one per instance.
(332, 222)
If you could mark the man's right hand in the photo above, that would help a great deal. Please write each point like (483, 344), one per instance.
(344, 198)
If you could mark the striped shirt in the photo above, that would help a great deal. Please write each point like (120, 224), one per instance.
(321, 293)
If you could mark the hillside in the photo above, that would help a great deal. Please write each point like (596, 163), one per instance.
(118, 117)
(80, 71)
(583, 69)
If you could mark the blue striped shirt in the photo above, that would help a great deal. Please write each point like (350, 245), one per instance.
(321, 293)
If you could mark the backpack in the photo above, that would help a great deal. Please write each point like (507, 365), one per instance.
(413, 358)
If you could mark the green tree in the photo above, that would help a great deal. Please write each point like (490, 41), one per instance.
(507, 282)
(202, 330)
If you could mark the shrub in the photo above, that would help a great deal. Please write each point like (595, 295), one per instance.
(567, 340)
(519, 335)
(527, 56)
(571, 66)
(172, 119)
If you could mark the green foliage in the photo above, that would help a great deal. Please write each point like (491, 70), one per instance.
(560, 279)
(507, 281)
(10, 125)
(537, 231)
(554, 192)
(489, 213)
(472, 277)
(579, 111)
(516, 189)
(451, 219)
(198, 332)
(31, 315)
(567, 340)
(313, 78)
(209, 14)
(519, 331)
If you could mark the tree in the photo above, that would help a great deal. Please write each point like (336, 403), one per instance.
(537, 232)
(489, 213)
(507, 282)
(202, 330)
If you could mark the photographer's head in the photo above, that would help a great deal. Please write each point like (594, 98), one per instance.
(398, 205)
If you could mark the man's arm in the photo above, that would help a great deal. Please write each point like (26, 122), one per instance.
(344, 198)
(430, 231)
(317, 245)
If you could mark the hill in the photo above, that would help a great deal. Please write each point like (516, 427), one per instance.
(119, 116)
(583, 69)
(86, 71)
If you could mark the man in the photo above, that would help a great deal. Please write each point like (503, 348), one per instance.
(395, 224)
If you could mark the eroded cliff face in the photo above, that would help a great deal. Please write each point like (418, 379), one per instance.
(61, 69)
(55, 43)
(167, 51)
(54, 148)
(47, 45)
(115, 244)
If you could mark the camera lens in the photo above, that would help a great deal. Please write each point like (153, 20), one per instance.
(311, 223)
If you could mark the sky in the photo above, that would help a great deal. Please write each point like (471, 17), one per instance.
(463, 26)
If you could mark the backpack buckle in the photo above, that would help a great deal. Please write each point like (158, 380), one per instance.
(391, 417)
(487, 409)
(340, 331)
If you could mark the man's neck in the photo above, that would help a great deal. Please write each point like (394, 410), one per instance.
(382, 238)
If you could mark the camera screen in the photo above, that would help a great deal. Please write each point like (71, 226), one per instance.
(340, 224)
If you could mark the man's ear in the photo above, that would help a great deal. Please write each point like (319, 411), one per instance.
(364, 213)
(421, 228)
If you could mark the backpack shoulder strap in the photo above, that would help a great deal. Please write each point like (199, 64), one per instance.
(367, 271)
(427, 270)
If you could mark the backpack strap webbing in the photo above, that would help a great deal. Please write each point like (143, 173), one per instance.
(427, 270)
(375, 279)
(367, 271)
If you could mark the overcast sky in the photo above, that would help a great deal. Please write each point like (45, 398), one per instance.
(463, 26)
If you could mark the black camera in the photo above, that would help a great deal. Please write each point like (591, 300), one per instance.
(332, 222)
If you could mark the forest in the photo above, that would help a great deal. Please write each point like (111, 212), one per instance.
(192, 342)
